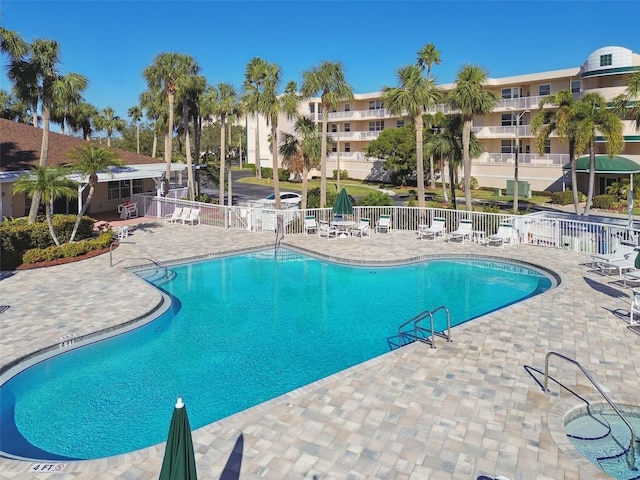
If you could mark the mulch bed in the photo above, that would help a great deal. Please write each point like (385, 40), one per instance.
(62, 261)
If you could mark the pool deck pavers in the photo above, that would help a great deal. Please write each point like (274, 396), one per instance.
(464, 409)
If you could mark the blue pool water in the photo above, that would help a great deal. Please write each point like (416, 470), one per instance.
(241, 330)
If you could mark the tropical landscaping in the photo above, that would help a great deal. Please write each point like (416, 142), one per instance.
(182, 118)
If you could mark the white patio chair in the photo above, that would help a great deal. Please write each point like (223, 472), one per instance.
(175, 216)
(326, 230)
(505, 235)
(193, 217)
(384, 224)
(310, 224)
(438, 227)
(464, 230)
(362, 229)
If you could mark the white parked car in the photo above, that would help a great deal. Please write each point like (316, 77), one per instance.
(287, 199)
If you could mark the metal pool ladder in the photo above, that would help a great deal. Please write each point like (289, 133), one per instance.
(418, 331)
(631, 458)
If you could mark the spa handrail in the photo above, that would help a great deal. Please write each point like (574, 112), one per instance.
(631, 458)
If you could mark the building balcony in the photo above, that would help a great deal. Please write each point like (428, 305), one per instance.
(356, 135)
(502, 132)
(353, 115)
(347, 156)
(525, 159)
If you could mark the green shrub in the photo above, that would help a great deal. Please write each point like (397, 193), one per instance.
(283, 175)
(605, 201)
(474, 183)
(313, 198)
(67, 250)
(562, 198)
(344, 175)
(267, 172)
(376, 198)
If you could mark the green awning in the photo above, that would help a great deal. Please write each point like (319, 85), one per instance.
(606, 164)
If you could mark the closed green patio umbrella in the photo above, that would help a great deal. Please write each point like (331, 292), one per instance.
(179, 462)
(343, 205)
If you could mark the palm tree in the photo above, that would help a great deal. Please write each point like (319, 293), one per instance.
(427, 56)
(153, 104)
(66, 100)
(37, 78)
(446, 142)
(470, 99)
(89, 161)
(272, 105)
(252, 91)
(224, 105)
(81, 117)
(629, 101)
(51, 184)
(189, 89)
(305, 147)
(596, 119)
(135, 113)
(561, 120)
(414, 93)
(164, 75)
(329, 82)
(111, 122)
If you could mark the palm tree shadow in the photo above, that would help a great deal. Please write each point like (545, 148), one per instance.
(231, 470)
(606, 289)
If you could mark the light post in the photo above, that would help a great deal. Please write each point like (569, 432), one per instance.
(518, 117)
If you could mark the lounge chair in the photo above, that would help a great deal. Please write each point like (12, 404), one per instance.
(362, 229)
(192, 217)
(618, 254)
(310, 224)
(464, 230)
(505, 235)
(621, 267)
(326, 230)
(384, 224)
(430, 233)
(175, 216)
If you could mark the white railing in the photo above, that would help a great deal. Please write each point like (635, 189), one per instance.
(501, 131)
(533, 159)
(533, 229)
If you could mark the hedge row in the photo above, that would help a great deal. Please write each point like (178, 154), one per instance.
(67, 250)
(17, 236)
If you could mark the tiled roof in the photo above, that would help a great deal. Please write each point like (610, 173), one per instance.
(20, 148)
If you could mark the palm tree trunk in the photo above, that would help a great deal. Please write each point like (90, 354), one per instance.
(574, 177)
(258, 166)
(419, 160)
(138, 137)
(187, 148)
(452, 184)
(592, 177)
(444, 180)
(466, 139)
(47, 211)
(222, 160)
(154, 148)
(169, 138)
(432, 173)
(274, 148)
(92, 184)
(305, 183)
(323, 157)
(44, 153)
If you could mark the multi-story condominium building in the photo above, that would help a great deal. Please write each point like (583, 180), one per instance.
(354, 124)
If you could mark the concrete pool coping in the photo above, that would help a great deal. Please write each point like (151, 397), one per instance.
(412, 413)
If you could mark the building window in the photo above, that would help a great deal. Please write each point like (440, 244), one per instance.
(544, 90)
(375, 104)
(312, 108)
(399, 123)
(347, 147)
(347, 107)
(506, 146)
(515, 92)
(575, 86)
(606, 60)
(376, 126)
(334, 127)
(506, 93)
(547, 146)
(334, 147)
(121, 189)
(347, 127)
(507, 120)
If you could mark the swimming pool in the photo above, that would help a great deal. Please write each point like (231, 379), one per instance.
(241, 330)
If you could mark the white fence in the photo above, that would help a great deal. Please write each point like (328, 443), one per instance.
(533, 229)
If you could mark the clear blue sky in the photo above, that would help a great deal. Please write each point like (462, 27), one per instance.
(111, 42)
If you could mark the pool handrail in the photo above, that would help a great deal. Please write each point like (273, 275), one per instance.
(631, 457)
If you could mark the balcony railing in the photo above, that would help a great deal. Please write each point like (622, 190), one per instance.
(527, 159)
(362, 114)
(358, 135)
(500, 131)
